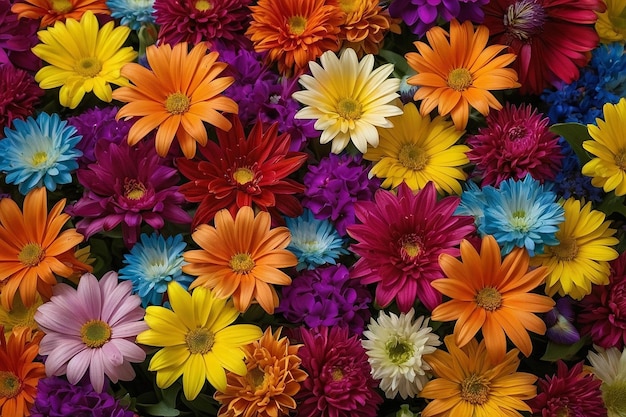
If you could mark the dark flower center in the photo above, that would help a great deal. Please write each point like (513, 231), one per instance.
(297, 25)
(398, 350)
(475, 389)
(31, 254)
(177, 103)
(95, 333)
(241, 263)
(460, 79)
(61, 6)
(200, 340)
(620, 159)
(410, 247)
(489, 298)
(349, 109)
(88, 67)
(10, 384)
(203, 5)
(134, 189)
(256, 377)
(524, 19)
(413, 157)
(566, 250)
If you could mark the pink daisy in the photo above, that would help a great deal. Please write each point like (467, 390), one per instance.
(92, 328)
(515, 142)
(400, 241)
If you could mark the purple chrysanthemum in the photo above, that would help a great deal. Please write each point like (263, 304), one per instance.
(128, 186)
(20, 94)
(17, 36)
(334, 185)
(195, 21)
(421, 15)
(339, 382)
(326, 297)
(58, 398)
(95, 124)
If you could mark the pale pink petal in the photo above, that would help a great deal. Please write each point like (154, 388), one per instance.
(57, 359)
(77, 366)
(89, 296)
(96, 370)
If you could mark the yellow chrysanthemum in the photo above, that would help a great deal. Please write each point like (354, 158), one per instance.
(348, 99)
(83, 57)
(198, 340)
(583, 254)
(611, 24)
(608, 169)
(417, 150)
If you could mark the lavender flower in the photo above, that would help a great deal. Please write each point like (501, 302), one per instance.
(559, 322)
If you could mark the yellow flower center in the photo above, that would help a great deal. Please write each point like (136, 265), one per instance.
(203, 5)
(489, 298)
(475, 389)
(398, 350)
(459, 79)
(519, 221)
(337, 374)
(39, 158)
(10, 384)
(413, 157)
(256, 377)
(200, 340)
(410, 246)
(563, 412)
(349, 6)
(243, 175)
(31, 254)
(88, 67)
(614, 396)
(95, 333)
(566, 250)
(134, 189)
(61, 6)
(177, 103)
(349, 109)
(297, 25)
(620, 159)
(242, 263)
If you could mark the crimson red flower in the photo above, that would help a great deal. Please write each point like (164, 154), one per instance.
(238, 172)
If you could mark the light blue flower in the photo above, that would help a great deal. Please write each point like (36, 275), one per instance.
(132, 13)
(472, 203)
(153, 262)
(40, 152)
(315, 242)
(521, 214)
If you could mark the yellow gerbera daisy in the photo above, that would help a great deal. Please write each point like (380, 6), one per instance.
(581, 258)
(198, 340)
(83, 57)
(417, 150)
(608, 169)
(611, 24)
(348, 99)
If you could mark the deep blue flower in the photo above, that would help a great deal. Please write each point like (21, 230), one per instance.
(315, 242)
(39, 152)
(570, 182)
(132, 13)
(152, 264)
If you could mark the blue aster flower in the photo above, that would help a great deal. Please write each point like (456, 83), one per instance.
(132, 13)
(40, 152)
(521, 214)
(570, 182)
(315, 242)
(153, 262)
(472, 203)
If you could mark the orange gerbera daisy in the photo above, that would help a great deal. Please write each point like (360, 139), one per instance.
(240, 257)
(365, 25)
(176, 96)
(19, 375)
(295, 31)
(51, 11)
(30, 246)
(273, 378)
(456, 73)
(492, 294)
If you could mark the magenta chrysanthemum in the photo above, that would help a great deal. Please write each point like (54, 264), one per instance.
(339, 382)
(195, 21)
(128, 186)
(570, 392)
(17, 36)
(20, 94)
(515, 142)
(400, 240)
(92, 328)
(603, 312)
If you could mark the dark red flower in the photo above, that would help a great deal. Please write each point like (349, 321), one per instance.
(20, 94)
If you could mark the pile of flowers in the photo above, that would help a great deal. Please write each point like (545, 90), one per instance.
(313, 208)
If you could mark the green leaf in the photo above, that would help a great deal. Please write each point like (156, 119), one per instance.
(401, 67)
(575, 134)
(556, 351)
(161, 410)
(612, 204)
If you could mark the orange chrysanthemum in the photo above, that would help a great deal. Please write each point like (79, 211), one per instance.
(295, 31)
(492, 294)
(365, 25)
(240, 257)
(457, 71)
(51, 11)
(273, 378)
(19, 375)
(33, 248)
(180, 92)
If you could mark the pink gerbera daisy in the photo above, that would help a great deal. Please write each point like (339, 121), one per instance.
(551, 38)
(400, 240)
(92, 328)
(515, 142)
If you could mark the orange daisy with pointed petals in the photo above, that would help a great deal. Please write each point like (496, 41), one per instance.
(19, 374)
(457, 71)
(176, 96)
(51, 11)
(33, 248)
(492, 294)
(241, 257)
